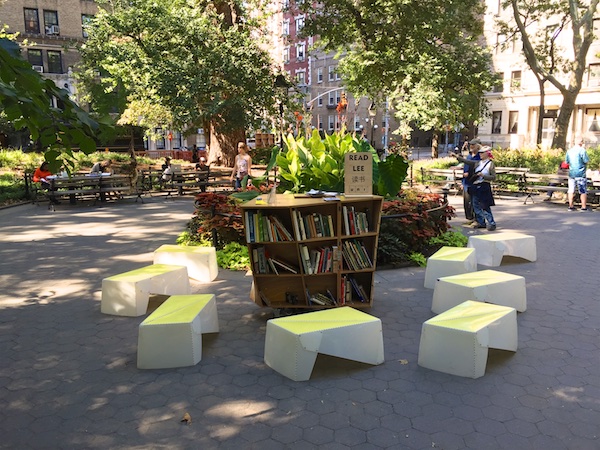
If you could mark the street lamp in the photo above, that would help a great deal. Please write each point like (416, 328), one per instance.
(372, 114)
(283, 85)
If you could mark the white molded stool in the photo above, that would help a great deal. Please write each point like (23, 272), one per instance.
(172, 335)
(127, 294)
(449, 261)
(292, 343)
(457, 341)
(490, 248)
(490, 286)
(201, 262)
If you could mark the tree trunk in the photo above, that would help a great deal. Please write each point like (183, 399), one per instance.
(564, 117)
(540, 124)
(223, 147)
(434, 145)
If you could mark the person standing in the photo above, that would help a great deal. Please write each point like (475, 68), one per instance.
(467, 181)
(481, 190)
(241, 166)
(577, 159)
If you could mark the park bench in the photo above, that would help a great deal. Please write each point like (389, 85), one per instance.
(538, 182)
(450, 178)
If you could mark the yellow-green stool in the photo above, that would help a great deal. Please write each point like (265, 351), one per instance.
(292, 343)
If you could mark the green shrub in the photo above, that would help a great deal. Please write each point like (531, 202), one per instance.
(418, 258)
(450, 239)
(233, 256)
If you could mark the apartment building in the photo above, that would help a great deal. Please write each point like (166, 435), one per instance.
(514, 107)
(55, 28)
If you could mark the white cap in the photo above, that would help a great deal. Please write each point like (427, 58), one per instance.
(202, 158)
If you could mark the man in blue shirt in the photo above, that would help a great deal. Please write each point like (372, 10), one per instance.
(577, 158)
(474, 146)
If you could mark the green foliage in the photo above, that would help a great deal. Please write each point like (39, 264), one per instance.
(233, 256)
(450, 239)
(418, 259)
(26, 100)
(216, 213)
(316, 163)
(178, 56)
(12, 188)
(423, 58)
(186, 238)
(418, 217)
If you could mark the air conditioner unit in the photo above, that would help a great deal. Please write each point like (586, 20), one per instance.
(53, 29)
(39, 69)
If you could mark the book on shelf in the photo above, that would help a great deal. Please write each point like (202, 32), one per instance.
(272, 266)
(284, 265)
(249, 216)
(346, 224)
(306, 260)
(318, 225)
(261, 265)
(296, 225)
(282, 232)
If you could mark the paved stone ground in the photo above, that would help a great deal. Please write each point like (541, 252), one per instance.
(68, 376)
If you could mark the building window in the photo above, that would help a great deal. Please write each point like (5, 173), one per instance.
(299, 24)
(331, 100)
(300, 49)
(85, 20)
(500, 86)
(513, 122)
(320, 75)
(337, 75)
(500, 43)
(320, 123)
(331, 122)
(357, 123)
(285, 28)
(594, 75)
(496, 122)
(35, 57)
(515, 81)
(54, 62)
(591, 119)
(286, 55)
(331, 73)
(51, 22)
(32, 20)
(301, 78)
(338, 97)
(320, 101)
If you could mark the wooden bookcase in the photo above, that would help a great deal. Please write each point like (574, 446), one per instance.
(344, 262)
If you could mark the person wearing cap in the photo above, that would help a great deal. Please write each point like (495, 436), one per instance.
(202, 173)
(467, 182)
(481, 189)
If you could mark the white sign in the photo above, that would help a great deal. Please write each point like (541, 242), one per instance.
(358, 174)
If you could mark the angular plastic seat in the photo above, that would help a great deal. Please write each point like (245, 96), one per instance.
(292, 343)
(201, 262)
(489, 286)
(449, 261)
(491, 248)
(457, 341)
(172, 335)
(127, 294)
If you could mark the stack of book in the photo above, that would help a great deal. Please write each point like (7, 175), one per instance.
(355, 255)
(355, 222)
(262, 228)
(351, 289)
(321, 299)
(265, 264)
(312, 225)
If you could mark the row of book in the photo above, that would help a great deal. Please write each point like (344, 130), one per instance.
(265, 228)
(265, 264)
(355, 222)
(350, 291)
(312, 225)
(356, 255)
(320, 260)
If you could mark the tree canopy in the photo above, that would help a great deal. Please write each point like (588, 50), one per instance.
(178, 63)
(539, 24)
(27, 102)
(424, 57)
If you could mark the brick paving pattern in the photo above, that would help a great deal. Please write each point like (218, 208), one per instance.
(68, 375)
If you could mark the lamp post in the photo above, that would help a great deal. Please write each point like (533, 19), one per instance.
(372, 114)
(283, 85)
